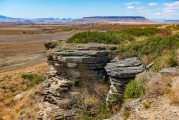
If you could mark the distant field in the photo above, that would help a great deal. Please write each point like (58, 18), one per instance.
(22, 50)
(21, 44)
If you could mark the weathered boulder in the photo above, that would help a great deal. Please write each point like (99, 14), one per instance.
(120, 72)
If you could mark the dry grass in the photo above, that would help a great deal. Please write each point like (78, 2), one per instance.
(12, 84)
(174, 93)
(102, 90)
(159, 86)
(91, 100)
(92, 92)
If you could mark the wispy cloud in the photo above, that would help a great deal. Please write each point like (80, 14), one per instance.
(172, 4)
(140, 8)
(168, 10)
(158, 13)
(171, 8)
(145, 11)
(130, 7)
(152, 4)
(131, 3)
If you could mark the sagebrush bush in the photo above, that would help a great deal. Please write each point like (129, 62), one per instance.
(134, 89)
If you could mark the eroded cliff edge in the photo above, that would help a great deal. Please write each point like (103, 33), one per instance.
(77, 69)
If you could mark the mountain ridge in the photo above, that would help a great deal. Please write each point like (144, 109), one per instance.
(50, 19)
(92, 19)
(114, 19)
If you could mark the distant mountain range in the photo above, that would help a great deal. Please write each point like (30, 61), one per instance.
(114, 19)
(88, 19)
(172, 21)
(9, 19)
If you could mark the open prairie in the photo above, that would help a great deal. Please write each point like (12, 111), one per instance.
(19, 49)
(22, 52)
(21, 44)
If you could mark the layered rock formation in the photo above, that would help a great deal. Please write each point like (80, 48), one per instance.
(81, 61)
(121, 71)
(74, 63)
(68, 68)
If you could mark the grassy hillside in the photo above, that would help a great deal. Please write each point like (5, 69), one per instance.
(24, 82)
(158, 45)
(113, 37)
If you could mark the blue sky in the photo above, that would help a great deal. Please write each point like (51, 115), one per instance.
(161, 9)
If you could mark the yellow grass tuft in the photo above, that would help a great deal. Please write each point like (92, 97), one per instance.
(174, 93)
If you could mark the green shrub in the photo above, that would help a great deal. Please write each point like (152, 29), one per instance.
(28, 76)
(116, 99)
(146, 104)
(125, 114)
(158, 49)
(134, 89)
(110, 37)
(172, 61)
(103, 112)
(148, 31)
(33, 79)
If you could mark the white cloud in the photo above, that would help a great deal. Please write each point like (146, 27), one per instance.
(130, 7)
(158, 13)
(131, 3)
(145, 11)
(168, 10)
(152, 4)
(140, 8)
(172, 4)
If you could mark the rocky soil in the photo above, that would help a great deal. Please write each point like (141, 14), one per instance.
(157, 103)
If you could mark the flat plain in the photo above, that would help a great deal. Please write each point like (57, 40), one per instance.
(21, 46)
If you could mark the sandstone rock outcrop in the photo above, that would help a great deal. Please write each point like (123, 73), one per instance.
(120, 72)
(77, 64)
(70, 64)
(73, 63)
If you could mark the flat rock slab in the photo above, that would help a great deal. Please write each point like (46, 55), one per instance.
(171, 70)
(124, 68)
(81, 53)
